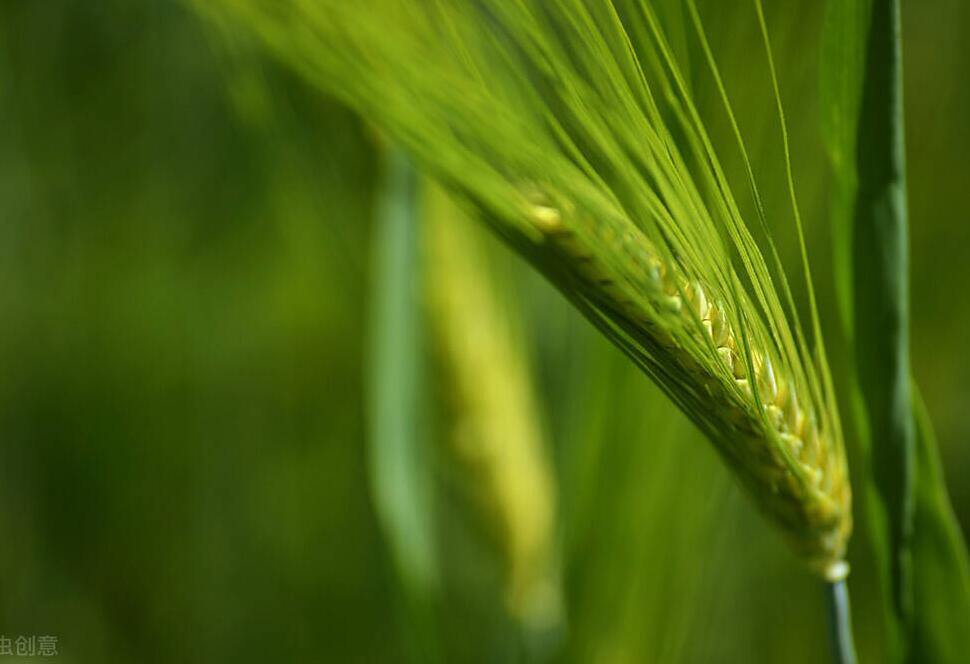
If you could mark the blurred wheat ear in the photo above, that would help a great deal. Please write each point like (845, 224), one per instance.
(493, 434)
(570, 125)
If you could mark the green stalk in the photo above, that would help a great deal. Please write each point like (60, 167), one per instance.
(839, 622)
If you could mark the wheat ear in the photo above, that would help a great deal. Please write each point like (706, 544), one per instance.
(493, 431)
(572, 128)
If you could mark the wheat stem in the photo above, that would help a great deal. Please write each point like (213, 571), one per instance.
(840, 623)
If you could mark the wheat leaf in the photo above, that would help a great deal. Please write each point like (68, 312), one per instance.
(399, 467)
(916, 540)
(941, 569)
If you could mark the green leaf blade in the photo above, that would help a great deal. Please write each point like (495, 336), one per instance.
(941, 568)
(917, 543)
(399, 468)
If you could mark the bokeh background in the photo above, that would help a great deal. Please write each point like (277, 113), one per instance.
(186, 278)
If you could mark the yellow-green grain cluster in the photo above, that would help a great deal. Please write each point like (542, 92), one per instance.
(748, 401)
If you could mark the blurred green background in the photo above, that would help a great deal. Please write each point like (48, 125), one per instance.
(185, 286)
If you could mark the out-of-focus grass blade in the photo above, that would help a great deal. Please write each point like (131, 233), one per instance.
(842, 70)
(861, 89)
(400, 472)
(639, 571)
(941, 570)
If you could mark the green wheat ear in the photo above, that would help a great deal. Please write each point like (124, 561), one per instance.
(490, 410)
(571, 127)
